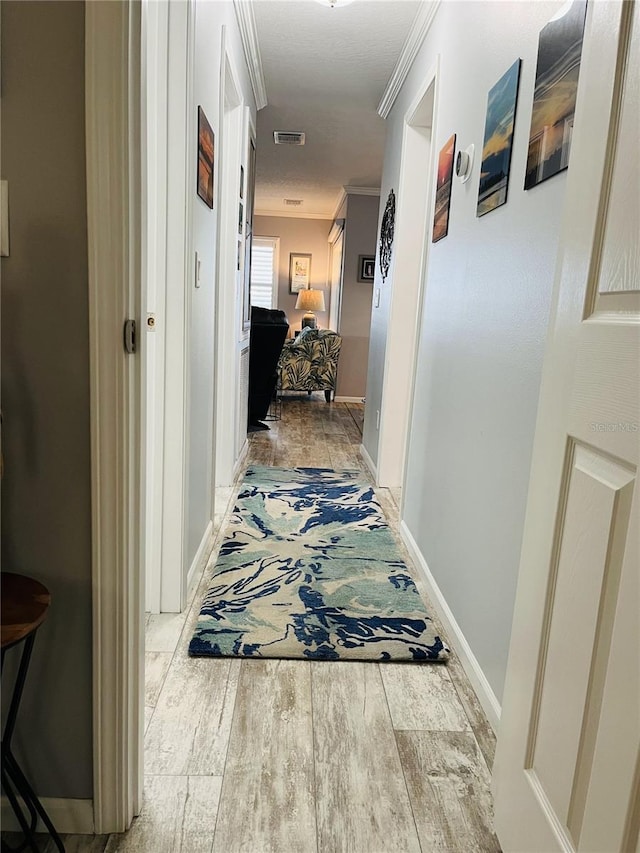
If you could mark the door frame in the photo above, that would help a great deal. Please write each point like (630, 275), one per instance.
(113, 76)
(181, 133)
(401, 354)
(228, 322)
(154, 51)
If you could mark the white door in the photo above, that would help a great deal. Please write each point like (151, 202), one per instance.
(567, 771)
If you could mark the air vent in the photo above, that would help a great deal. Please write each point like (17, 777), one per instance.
(288, 137)
(293, 202)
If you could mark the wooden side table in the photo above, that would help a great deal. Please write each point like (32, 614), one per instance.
(25, 603)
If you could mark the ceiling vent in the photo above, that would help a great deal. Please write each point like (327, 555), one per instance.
(293, 202)
(288, 137)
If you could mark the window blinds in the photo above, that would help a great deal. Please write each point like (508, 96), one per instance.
(262, 272)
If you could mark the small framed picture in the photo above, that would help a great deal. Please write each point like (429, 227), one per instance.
(206, 147)
(366, 267)
(299, 272)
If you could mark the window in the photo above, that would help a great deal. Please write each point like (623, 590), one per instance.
(264, 272)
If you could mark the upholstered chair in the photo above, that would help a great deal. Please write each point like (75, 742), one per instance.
(309, 362)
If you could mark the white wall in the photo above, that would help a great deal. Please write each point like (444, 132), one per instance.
(481, 333)
(209, 20)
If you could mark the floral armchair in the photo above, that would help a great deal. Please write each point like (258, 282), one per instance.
(310, 362)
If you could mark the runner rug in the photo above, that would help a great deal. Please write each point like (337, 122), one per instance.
(309, 569)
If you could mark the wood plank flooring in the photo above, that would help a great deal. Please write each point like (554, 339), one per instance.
(270, 756)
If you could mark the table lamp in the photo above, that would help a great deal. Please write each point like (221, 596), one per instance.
(310, 301)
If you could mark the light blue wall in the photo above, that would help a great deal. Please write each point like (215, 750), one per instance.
(481, 334)
(210, 17)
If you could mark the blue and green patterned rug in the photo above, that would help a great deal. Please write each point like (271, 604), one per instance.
(309, 569)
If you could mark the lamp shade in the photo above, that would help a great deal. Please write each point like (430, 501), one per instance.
(310, 300)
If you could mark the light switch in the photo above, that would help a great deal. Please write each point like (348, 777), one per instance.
(376, 303)
(197, 270)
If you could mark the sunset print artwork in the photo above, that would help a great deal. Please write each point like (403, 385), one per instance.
(554, 99)
(205, 159)
(498, 141)
(443, 190)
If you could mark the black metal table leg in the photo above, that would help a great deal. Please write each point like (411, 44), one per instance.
(14, 782)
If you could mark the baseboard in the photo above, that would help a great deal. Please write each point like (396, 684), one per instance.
(240, 461)
(68, 816)
(368, 461)
(341, 399)
(202, 554)
(478, 679)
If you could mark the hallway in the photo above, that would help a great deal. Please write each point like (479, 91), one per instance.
(286, 756)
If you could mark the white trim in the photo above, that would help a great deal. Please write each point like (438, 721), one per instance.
(112, 76)
(180, 133)
(341, 200)
(249, 35)
(228, 288)
(368, 461)
(291, 214)
(155, 38)
(341, 399)
(403, 337)
(67, 815)
(362, 190)
(336, 230)
(456, 638)
(201, 557)
(241, 459)
(417, 34)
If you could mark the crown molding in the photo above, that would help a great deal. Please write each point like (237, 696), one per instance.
(249, 35)
(417, 34)
(362, 190)
(341, 200)
(290, 214)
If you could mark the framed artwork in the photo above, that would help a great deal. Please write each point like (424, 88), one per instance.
(299, 272)
(366, 267)
(554, 96)
(387, 228)
(498, 140)
(443, 189)
(206, 149)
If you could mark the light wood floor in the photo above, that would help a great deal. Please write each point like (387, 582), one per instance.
(270, 756)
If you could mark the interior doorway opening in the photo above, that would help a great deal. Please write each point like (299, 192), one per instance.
(415, 192)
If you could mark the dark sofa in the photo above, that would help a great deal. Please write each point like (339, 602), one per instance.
(269, 328)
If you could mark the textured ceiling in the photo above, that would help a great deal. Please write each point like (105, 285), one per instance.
(325, 72)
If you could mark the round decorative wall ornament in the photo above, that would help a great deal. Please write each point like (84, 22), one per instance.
(386, 234)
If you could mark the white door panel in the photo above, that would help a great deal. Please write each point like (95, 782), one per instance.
(567, 772)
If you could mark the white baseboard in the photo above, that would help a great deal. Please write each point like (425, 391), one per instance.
(341, 399)
(478, 679)
(202, 554)
(239, 461)
(68, 816)
(368, 461)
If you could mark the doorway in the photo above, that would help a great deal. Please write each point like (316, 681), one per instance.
(411, 253)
